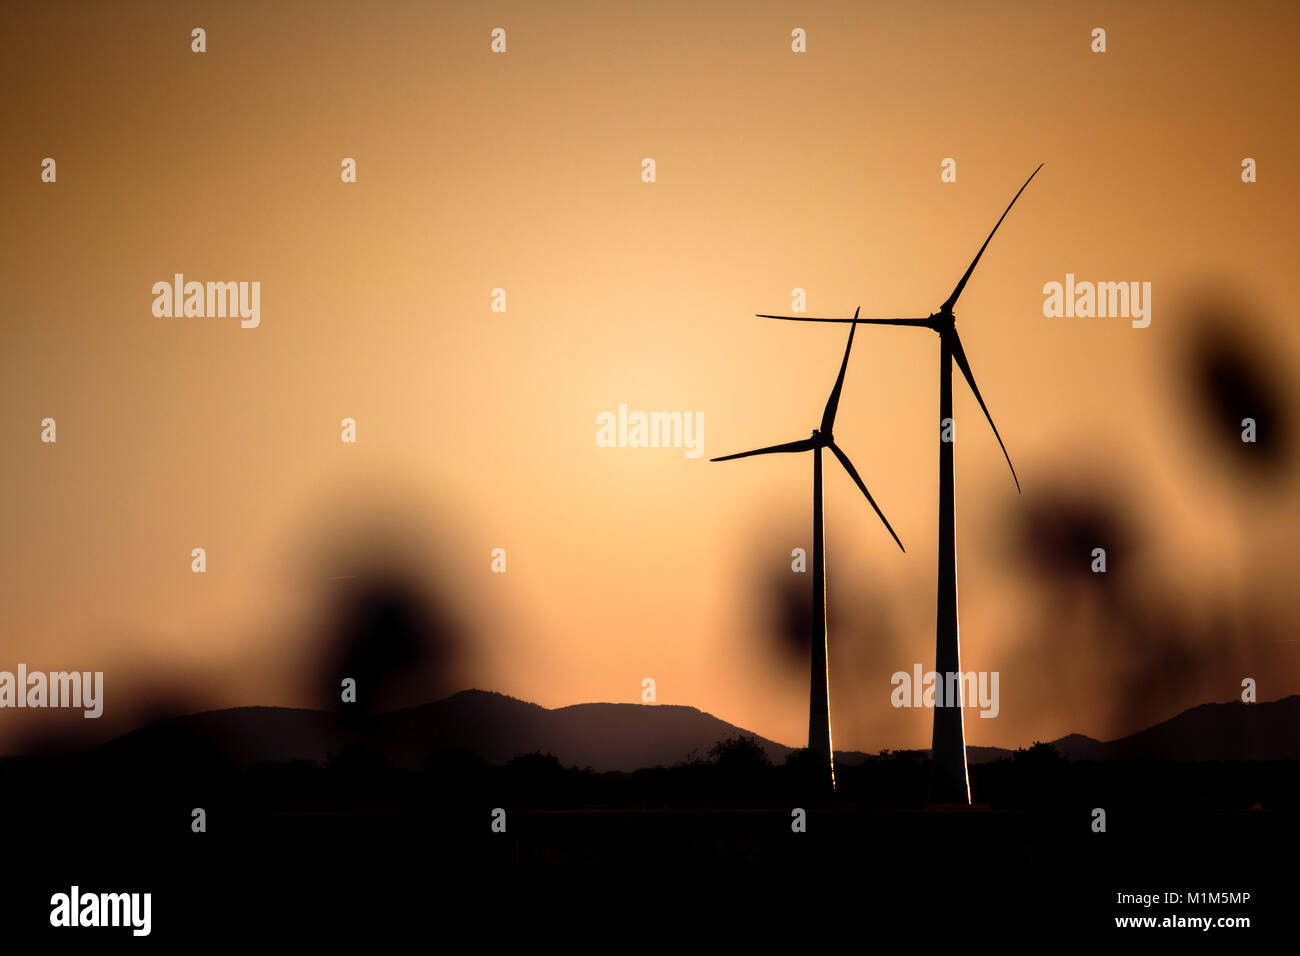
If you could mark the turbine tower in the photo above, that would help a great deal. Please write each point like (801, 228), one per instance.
(948, 746)
(819, 719)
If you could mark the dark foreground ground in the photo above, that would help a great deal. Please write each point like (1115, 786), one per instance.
(577, 876)
(312, 856)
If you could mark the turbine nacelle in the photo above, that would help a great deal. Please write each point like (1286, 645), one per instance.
(943, 321)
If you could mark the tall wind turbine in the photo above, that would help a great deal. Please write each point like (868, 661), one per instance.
(819, 718)
(952, 783)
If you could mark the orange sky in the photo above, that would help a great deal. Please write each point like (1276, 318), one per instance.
(476, 429)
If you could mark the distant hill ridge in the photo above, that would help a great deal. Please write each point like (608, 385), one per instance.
(626, 737)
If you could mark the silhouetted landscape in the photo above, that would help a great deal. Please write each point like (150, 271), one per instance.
(638, 790)
(604, 737)
(477, 743)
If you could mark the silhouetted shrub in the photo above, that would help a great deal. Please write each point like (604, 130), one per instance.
(739, 753)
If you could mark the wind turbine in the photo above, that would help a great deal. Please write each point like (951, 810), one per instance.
(819, 718)
(948, 746)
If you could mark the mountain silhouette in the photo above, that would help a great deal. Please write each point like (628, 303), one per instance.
(493, 726)
(1231, 731)
(626, 737)
(600, 736)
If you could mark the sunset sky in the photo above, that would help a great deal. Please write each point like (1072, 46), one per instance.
(476, 429)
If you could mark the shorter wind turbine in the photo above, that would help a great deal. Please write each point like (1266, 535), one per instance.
(819, 717)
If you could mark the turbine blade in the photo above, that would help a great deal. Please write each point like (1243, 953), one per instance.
(805, 444)
(952, 299)
(808, 318)
(853, 473)
(959, 354)
(833, 403)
